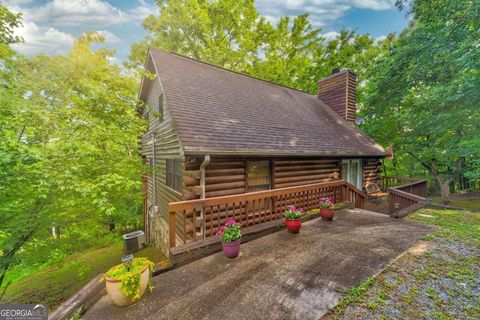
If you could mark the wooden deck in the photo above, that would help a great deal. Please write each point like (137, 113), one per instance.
(378, 205)
(399, 195)
(194, 220)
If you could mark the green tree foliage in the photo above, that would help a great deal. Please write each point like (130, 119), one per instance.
(68, 153)
(9, 21)
(287, 49)
(224, 32)
(423, 97)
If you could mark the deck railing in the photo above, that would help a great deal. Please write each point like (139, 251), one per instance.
(198, 219)
(404, 194)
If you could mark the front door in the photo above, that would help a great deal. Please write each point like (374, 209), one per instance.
(352, 172)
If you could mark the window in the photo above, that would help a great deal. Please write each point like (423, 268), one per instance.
(258, 175)
(352, 172)
(174, 174)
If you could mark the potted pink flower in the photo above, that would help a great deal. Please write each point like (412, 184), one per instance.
(293, 220)
(327, 209)
(231, 237)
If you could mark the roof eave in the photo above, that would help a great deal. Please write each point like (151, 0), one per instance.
(281, 154)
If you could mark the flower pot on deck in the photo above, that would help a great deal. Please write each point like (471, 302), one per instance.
(231, 249)
(293, 225)
(327, 214)
(113, 288)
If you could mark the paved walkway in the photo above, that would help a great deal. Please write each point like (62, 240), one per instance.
(279, 276)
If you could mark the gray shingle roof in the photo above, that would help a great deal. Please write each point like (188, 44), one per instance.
(217, 111)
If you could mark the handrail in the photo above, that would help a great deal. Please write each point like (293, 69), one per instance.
(404, 196)
(407, 195)
(181, 205)
(198, 218)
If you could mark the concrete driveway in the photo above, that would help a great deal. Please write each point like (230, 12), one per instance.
(279, 276)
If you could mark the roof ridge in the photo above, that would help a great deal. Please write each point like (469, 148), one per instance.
(229, 70)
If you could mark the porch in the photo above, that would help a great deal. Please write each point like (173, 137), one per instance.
(195, 220)
(398, 196)
(193, 223)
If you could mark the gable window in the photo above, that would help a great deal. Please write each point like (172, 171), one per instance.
(174, 174)
(258, 175)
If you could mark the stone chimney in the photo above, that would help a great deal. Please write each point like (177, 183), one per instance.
(338, 91)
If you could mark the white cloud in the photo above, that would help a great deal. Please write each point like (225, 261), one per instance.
(143, 10)
(321, 12)
(41, 28)
(329, 36)
(43, 39)
(12, 3)
(109, 36)
(94, 13)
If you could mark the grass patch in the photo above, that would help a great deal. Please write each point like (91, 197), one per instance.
(436, 284)
(354, 295)
(460, 203)
(455, 225)
(58, 282)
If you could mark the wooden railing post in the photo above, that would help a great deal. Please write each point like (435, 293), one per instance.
(344, 193)
(171, 229)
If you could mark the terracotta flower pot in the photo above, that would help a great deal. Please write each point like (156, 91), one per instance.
(327, 214)
(293, 225)
(114, 292)
(231, 249)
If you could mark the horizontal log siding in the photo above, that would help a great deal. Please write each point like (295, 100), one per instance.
(167, 147)
(372, 171)
(223, 176)
(226, 176)
(297, 172)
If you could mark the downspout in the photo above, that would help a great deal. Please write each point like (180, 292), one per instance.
(153, 209)
(204, 164)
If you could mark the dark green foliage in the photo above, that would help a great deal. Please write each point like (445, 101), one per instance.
(423, 98)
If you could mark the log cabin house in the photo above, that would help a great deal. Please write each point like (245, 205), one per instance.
(224, 144)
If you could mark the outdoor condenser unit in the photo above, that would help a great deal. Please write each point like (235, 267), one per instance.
(133, 241)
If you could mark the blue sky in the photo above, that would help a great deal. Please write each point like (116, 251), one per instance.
(50, 26)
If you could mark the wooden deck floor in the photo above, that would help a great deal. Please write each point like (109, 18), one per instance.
(378, 205)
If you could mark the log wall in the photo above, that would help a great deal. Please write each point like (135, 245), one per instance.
(227, 175)
(372, 171)
(295, 172)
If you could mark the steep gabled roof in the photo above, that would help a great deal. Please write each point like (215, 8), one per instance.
(217, 111)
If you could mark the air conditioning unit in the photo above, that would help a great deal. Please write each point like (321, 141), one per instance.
(133, 241)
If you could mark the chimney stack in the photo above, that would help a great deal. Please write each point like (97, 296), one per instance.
(338, 91)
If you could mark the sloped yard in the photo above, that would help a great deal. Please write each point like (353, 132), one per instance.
(437, 279)
(58, 282)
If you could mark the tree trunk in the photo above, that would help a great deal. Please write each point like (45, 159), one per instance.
(445, 190)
